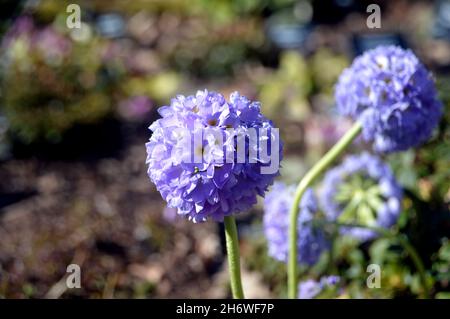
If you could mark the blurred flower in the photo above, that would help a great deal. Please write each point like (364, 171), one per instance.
(310, 288)
(111, 25)
(311, 241)
(52, 44)
(212, 187)
(49, 42)
(22, 26)
(170, 214)
(135, 107)
(362, 190)
(323, 131)
(390, 91)
(84, 34)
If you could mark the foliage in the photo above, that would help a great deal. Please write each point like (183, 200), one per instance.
(45, 93)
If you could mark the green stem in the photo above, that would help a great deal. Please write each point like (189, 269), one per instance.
(404, 242)
(307, 180)
(233, 257)
(417, 262)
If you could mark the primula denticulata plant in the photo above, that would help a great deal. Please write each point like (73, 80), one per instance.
(210, 158)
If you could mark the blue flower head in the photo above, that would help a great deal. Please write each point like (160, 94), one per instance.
(210, 158)
(393, 95)
(362, 190)
(310, 288)
(311, 240)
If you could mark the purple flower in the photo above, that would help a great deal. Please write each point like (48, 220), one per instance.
(51, 43)
(393, 95)
(209, 179)
(310, 288)
(46, 41)
(311, 241)
(362, 190)
(135, 107)
(23, 26)
(170, 214)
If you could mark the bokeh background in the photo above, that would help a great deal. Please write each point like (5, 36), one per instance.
(74, 110)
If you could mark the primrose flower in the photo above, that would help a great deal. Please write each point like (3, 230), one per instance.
(210, 158)
(310, 288)
(393, 95)
(311, 241)
(362, 190)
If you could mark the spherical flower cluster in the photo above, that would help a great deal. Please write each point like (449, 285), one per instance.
(218, 184)
(311, 240)
(310, 288)
(393, 95)
(362, 190)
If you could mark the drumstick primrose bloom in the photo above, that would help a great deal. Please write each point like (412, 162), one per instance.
(392, 93)
(393, 100)
(210, 159)
(362, 190)
(194, 157)
(311, 241)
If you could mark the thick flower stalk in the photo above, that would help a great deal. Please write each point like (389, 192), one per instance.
(393, 95)
(307, 180)
(210, 159)
(362, 190)
(311, 241)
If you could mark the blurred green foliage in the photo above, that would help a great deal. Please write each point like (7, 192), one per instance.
(284, 93)
(51, 82)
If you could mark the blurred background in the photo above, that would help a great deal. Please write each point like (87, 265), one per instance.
(75, 105)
